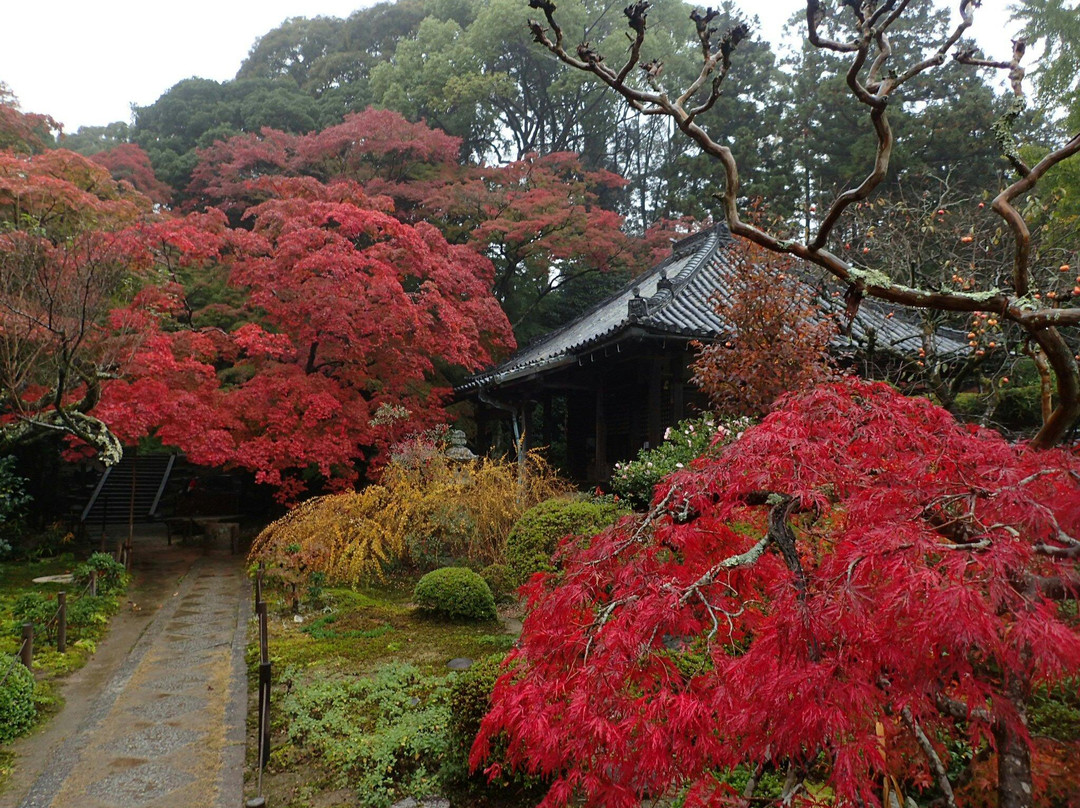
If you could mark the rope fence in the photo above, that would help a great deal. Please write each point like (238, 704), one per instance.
(25, 654)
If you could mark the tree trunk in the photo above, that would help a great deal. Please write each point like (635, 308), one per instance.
(1014, 768)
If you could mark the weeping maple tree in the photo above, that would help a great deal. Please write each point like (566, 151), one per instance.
(860, 597)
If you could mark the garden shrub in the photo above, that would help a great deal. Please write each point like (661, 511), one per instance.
(535, 536)
(499, 581)
(455, 592)
(17, 709)
(88, 616)
(426, 509)
(112, 578)
(683, 443)
(384, 734)
(36, 608)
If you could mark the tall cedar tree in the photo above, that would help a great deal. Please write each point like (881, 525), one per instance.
(858, 594)
(776, 341)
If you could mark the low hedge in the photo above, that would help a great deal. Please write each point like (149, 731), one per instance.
(455, 592)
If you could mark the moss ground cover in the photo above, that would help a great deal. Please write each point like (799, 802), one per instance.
(361, 708)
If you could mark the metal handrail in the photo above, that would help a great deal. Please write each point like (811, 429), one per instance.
(161, 487)
(94, 496)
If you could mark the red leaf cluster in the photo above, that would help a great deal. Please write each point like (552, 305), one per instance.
(856, 566)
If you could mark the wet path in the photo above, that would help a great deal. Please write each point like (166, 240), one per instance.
(167, 727)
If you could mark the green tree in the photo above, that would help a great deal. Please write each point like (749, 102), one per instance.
(1055, 25)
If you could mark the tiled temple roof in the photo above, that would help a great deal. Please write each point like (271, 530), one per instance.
(674, 299)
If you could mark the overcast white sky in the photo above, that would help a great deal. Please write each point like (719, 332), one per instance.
(85, 63)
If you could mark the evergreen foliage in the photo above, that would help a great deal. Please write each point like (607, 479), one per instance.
(536, 535)
(17, 709)
(455, 592)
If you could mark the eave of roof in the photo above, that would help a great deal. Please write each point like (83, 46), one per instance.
(674, 299)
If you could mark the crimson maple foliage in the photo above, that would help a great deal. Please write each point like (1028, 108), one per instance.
(25, 132)
(543, 222)
(377, 148)
(859, 593)
(72, 242)
(128, 162)
(344, 311)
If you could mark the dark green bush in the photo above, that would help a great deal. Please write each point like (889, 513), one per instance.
(455, 592)
(534, 537)
(497, 577)
(88, 616)
(112, 578)
(36, 608)
(17, 710)
(469, 702)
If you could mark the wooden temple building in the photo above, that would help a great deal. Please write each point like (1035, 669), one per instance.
(613, 380)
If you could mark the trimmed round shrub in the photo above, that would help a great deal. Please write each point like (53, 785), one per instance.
(17, 710)
(455, 592)
(534, 537)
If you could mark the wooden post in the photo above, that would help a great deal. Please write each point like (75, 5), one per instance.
(131, 510)
(61, 623)
(27, 654)
(264, 647)
(258, 587)
(93, 583)
(104, 520)
(264, 714)
(264, 688)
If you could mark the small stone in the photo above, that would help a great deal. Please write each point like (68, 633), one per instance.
(459, 663)
(296, 618)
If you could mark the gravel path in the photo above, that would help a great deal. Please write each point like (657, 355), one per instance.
(157, 717)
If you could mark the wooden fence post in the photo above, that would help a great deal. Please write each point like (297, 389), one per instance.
(27, 655)
(61, 623)
(93, 583)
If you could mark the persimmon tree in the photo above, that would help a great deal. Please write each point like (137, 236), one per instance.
(773, 344)
(878, 77)
(859, 597)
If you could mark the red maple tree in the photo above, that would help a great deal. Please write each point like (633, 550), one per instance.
(72, 243)
(129, 163)
(343, 312)
(860, 596)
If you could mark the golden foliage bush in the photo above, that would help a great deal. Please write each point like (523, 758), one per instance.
(426, 508)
